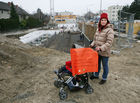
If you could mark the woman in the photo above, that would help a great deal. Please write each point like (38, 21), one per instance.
(102, 42)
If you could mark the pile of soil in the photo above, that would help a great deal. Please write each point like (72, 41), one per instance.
(25, 71)
(26, 76)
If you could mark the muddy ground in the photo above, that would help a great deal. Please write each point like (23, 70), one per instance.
(26, 76)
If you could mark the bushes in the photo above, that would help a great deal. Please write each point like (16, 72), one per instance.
(23, 24)
(12, 24)
(8, 24)
(32, 22)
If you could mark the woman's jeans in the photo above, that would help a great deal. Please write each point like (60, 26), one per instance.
(104, 61)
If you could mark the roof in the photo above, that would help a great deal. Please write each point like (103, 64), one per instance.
(5, 6)
(20, 11)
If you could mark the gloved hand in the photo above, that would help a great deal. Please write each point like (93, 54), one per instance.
(98, 49)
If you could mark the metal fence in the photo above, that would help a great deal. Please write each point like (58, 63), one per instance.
(85, 39)
(125, 30)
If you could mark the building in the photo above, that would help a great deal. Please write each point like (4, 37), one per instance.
(5, 11)
(113, 12)
(39, 15)
(89, 16)
(64, 18)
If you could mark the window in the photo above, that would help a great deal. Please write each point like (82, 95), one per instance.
(58, 20)
(2, 11)
(113, 15)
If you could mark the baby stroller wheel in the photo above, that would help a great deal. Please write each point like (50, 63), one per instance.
(57, 83)
(89, 89)
(63, 94)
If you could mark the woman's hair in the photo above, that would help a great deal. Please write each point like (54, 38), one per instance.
(100, 27)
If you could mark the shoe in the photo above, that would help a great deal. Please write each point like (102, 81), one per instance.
(93, 77)
(102, 82)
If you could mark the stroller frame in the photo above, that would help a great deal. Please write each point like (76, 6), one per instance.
(81, 81)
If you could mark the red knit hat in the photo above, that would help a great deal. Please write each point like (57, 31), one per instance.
(104, 15)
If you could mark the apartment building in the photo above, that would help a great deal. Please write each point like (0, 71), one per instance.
(113, 12)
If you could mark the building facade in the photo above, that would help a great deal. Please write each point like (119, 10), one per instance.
(113, 12)
(4, 14)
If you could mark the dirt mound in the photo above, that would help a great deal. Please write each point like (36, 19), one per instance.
(26, 76)
(19, 63)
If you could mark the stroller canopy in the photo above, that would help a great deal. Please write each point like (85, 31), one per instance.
(84, 60)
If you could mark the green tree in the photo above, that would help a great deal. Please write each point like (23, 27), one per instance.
(12, 23)
(13, 13)
(126, 8)
(123, 15)
(23, 24)
(135, 8)
(33, 22)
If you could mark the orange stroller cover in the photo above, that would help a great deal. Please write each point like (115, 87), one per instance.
(84, 60)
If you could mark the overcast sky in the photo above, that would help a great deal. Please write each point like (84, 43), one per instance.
(79, 7)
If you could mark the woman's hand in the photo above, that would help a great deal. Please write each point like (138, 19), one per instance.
(97, 49)
(90, 46)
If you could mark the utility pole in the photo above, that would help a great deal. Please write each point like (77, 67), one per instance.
(51, 7)
(100, 6)
(52, 11)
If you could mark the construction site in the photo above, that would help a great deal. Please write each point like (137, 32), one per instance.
(27, 71)
(29, 57)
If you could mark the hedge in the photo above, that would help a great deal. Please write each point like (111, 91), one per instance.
(8, 24)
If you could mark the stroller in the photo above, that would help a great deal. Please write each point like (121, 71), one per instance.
(74, 74)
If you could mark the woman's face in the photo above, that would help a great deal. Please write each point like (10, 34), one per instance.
(103, 22)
